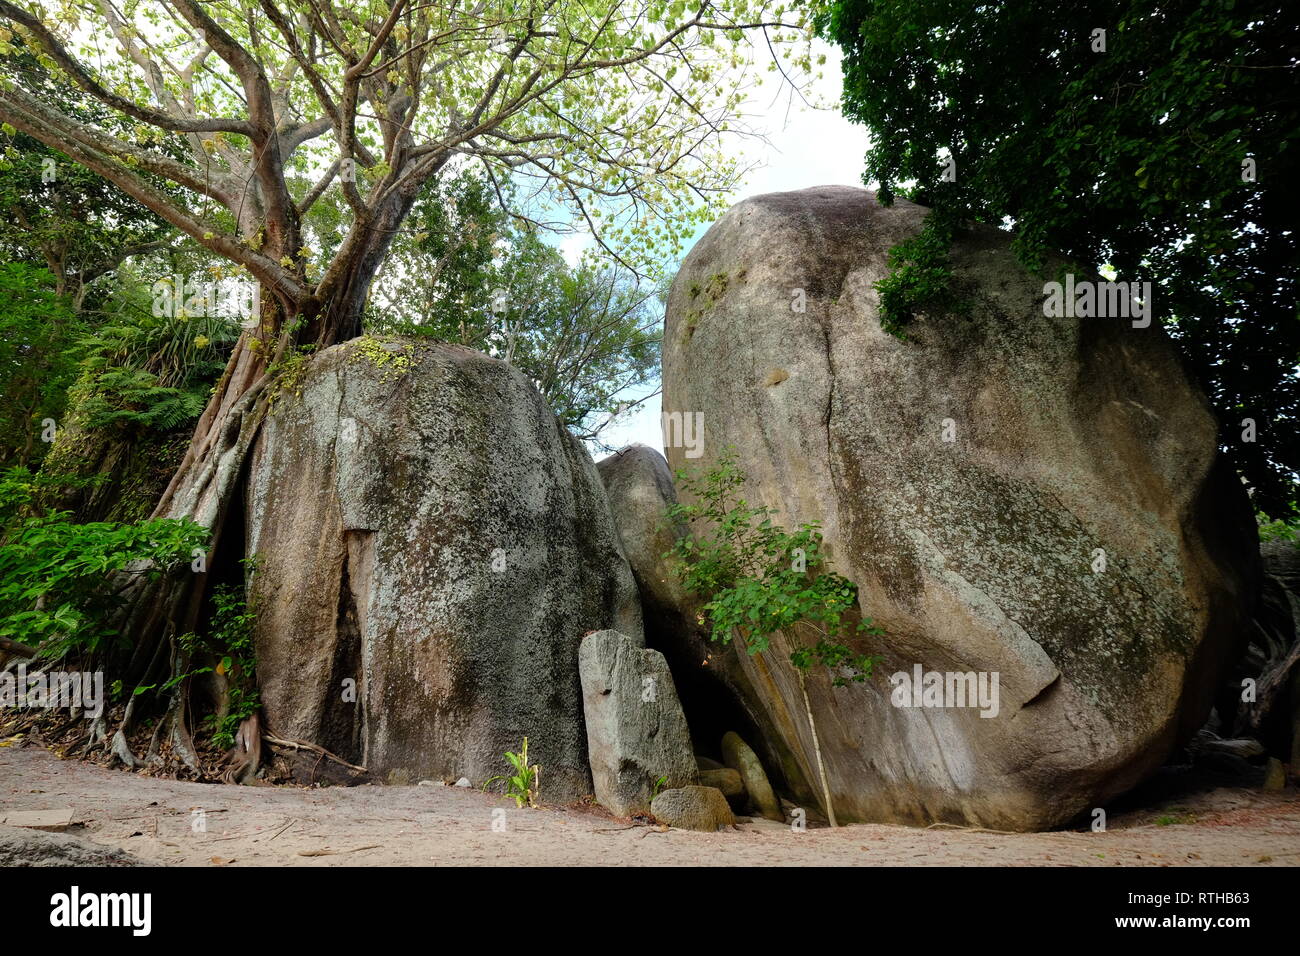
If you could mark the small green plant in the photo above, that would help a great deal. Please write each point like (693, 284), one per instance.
(658, 786)
(229, 646)
(525, 783)
(759, 579)
(286, 375)
(1178, 816)
(233, 619)
(389, 357)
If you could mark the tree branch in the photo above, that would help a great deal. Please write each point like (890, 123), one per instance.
(82, 77)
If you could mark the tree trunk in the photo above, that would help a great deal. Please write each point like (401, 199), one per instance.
(157, 611)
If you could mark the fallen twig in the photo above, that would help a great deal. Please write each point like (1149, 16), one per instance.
(328, 852)
(957, 826)
(291, 822)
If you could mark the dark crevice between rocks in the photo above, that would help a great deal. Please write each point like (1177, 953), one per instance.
(341, 723)
(711, 707)
(227, 569)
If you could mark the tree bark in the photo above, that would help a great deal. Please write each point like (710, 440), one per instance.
(157, 611)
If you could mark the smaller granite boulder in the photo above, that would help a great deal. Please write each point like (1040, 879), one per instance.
(738, 755)
(729, 782)
(693, 808)
(636, 731)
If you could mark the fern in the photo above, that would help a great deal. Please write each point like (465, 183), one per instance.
(154, 372)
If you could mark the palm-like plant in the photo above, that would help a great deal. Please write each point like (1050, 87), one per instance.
(525, 783)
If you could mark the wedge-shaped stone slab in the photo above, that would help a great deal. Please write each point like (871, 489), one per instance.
(636, 732)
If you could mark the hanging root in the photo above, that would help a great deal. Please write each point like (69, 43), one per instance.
(817, 751)
(96, 737)
(153, 757)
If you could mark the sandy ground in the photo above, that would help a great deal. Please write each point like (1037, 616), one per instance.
(430, 826)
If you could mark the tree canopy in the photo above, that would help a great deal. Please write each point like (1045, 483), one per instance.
(613, 109)
(465, 270)
(1159, 140)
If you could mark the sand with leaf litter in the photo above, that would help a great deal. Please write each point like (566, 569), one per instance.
(151, 819)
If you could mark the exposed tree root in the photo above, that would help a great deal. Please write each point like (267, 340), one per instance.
(122, 750)
(96, 737)
(303, 745)
(246, 755)
(181, 741)
(10, 646)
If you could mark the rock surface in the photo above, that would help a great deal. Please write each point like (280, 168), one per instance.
(740, 757)
(729, 783)
(434, 545)
(23, 847)
(640, 489)
(693, 808)
(976, 554)
(1274, 775)
(636, 732)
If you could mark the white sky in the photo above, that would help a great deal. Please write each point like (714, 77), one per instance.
(806, 147)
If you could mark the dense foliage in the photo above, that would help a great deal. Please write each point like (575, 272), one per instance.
(37, 332)
(149, 370)
(1165, 149)
(57, 584)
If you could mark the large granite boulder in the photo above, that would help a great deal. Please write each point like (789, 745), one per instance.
(433, 546)
(636, 733)
(1032, 497)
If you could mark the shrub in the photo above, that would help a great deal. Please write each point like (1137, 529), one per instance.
(760, 579)
(57, 576)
